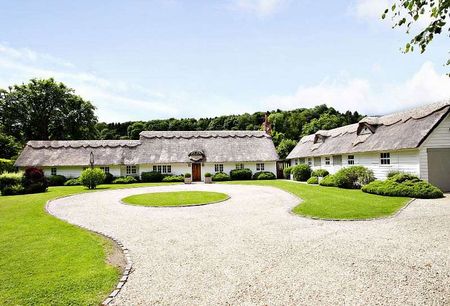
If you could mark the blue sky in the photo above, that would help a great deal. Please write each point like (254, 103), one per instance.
(140, 60)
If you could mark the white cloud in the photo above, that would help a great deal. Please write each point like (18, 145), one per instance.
(261, 8)
(425, 86)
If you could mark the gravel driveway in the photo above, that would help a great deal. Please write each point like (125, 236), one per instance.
(250, 250)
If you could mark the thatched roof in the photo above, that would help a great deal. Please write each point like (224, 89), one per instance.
(404, 130)
(153, 147)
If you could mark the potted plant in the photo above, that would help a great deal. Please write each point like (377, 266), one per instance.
(208, 178)
(187, 178)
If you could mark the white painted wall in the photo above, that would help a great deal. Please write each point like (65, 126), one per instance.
(75, 171)
(406, 161)
(439, 138)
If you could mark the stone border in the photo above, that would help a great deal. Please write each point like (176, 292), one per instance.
(125, 252)
(179, 206)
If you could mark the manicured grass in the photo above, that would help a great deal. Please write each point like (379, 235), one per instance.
(178, 198)
(45, 261)
(336, 203)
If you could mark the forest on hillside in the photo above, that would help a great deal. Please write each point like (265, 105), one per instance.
(44, 109)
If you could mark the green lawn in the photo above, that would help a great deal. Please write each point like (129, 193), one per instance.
(178, 198)
(45, 261)
(336, 203)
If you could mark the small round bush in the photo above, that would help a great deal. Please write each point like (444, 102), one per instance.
(287, 172)
(151, 177)
(313, 180)
(320, 173)
(241, 174)
(220, 177)
(72, 182)
(109, 178)
(92, 177)
(56, 180)
(187, 175)
(125, 180)
(414, 188)
(207, 174)
(328, 181)
(301, 172)
(34, 180)
(173, 178)
(264, 175)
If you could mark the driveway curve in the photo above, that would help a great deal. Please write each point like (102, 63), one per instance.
(249, 250)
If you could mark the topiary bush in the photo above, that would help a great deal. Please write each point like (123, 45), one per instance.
(92, 177)
(8, 179)
(173, 178)
(34, 180)
(56, 180)
(109, 178)
(320, 172)
(241, 174)
(399, 185)
(13, 190)
(301, 172)
(220, 177)
(187, 175)
(264, 175)
(328, 181)
(151, 177)
(207, 174)
(287, 172)
(353, 177)
(313, 180)
(72, 182)
(125, 180)
(6, 165)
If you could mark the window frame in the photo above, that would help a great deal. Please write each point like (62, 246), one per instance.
(239, 166)
(327, 161)
(105, 169)
(385, 158)
(131, 170)
(218, 168)
(259, 166)
(53, 171)
(350, 161)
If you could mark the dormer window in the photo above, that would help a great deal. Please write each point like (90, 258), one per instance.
(366, 129)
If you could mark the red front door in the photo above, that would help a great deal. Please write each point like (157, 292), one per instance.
(196, 172)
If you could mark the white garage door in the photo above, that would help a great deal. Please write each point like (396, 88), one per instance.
(439, 168)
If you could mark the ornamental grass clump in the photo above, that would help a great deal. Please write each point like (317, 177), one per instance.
(404, 185)
(92, 177)
(301, 172)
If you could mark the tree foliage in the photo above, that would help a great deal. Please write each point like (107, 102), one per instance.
(44, 109)
(406, 13)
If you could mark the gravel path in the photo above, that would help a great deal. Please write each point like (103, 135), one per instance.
(250, 250)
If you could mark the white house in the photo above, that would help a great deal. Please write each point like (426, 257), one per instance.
(179, 152)
(415, 141)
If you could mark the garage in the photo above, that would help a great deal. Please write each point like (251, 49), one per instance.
(439, 167)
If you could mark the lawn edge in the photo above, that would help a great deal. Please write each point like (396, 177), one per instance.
(178, 206)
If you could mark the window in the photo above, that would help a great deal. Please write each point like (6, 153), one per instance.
(385, 158)
(301, 160)
(53, 171)
(105, 169)
(218, 167)
(131, 170)
(259, 167)
(337, 160)
(327, 161)
(296, 161)
(309, 161)
(239, 166)
(351, 159)
(317, 161)
(166, 169)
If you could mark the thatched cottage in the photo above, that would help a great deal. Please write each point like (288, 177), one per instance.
(180, 152)
(415, 141)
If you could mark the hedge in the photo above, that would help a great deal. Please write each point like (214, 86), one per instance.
(125, 180)
(151, 177)
(220, 177)
(404, 185)
(6, 165)
(301, 172)
(173, 178)
(10, 178)
(264, 175)
(313, 180)
(241, 174)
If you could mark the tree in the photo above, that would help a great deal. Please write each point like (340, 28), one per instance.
(9, 147)
(135, 129)
(285, 147)
(406, 13)
(44, 109)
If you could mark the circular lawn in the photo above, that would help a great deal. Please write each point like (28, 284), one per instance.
(178, 198)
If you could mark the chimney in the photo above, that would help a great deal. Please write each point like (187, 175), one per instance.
(266, 125)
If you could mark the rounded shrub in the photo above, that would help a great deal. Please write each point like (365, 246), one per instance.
(241, 174)
(125, 180)
(353, 177)
(56, 180)
(301, 172)
(109, 178)
(92, 177)
(220, 177)
(34, 180)
(264, 175)
(187, 175)
(287, 172)
(207, 174)
(313, 180)
(72, 182)
(320, 173)
(173, 178)
(151, 177)
(13, 190)
(328, 181)
(401, 187)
